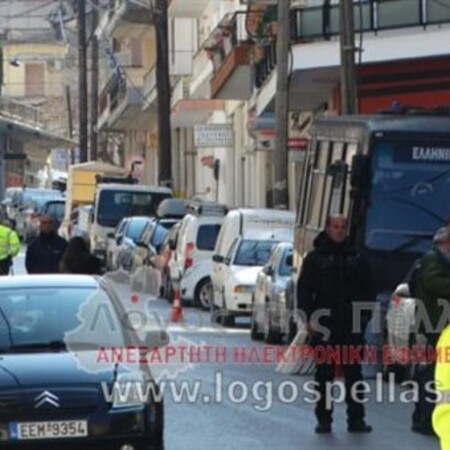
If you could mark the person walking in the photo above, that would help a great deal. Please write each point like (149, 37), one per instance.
(9, 246)
(78, 259)
(45, 252)
(333, 278)
(441, 414)
(433, 288)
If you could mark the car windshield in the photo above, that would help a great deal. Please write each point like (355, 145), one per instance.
(135, 228)
(253, 253)
(160, 232)
(36, 318)
(114, 205)
(409, 196)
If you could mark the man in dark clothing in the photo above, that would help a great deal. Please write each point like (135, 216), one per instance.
(433, 288)
(334, 276)
(44, 254)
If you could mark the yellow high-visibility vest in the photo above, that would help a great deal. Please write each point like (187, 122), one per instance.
(441, 414)
(9, 242)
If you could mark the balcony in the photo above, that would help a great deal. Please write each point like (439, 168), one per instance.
(230, 49)
(150, 91)
(312, 25)
(20, 112)
(120, 106)
(187, 8)
(126, 19)
(186, 111)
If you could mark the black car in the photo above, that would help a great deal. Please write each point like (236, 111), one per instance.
(54, 393)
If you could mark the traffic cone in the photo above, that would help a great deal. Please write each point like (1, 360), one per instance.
(176, 314)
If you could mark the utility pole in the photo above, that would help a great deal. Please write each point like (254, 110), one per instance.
(163, 86)
(82, 81)
(94, 82)
(349, 87)
(280, 191)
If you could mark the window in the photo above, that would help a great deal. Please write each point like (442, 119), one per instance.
(285, 269)
(207, 237)
(135, 228)
(253, 253)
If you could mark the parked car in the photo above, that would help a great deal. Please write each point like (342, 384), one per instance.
(52, 208)
(151, 241)
(197, 238)
(51, 397)
(7, 210)
(121, 244)
(28, 211)
(270, 320)
(243, 248)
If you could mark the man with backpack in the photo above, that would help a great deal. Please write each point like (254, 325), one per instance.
(432, 275)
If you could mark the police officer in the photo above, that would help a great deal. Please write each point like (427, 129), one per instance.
(334, 277)
(44, 254)
(9, 246)
(441, 414)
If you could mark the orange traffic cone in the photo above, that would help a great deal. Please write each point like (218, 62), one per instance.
(176, 314)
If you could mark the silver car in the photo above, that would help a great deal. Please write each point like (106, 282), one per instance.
(270, 312)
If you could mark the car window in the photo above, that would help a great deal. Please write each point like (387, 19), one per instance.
(42, 315)
(147, 233)
(207, 236)
(253, 253)
(121, 227)
(135, 228)
(285, 270)
(159, 233)
(55, 209)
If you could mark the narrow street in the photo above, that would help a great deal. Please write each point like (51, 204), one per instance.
(221, 417)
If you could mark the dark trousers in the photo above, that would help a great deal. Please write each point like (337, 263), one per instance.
(5, 266)
(325, 373)
(423, 376)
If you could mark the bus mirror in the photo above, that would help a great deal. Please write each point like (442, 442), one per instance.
(360, 171)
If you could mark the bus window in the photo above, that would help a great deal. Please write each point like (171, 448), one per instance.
(408, 201)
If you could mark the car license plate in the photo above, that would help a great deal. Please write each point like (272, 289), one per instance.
(48, 430)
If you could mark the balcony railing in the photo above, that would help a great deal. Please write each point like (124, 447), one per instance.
(370, 16)
(322, 22)
(22, 113)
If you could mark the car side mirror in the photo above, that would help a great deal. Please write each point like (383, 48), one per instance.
(268, 270)
(227, 261)
(119, 240)
(110, 235)
(218, 258)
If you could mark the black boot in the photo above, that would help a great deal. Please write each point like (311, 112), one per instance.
(359, 427)
(323, 428)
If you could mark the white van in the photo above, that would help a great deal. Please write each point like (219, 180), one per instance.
(113, 202)
(192, 263)
(243, 247)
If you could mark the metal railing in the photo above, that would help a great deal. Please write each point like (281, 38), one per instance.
(370, 16)
(20, 112)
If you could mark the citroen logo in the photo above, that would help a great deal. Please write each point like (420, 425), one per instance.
(46, 398)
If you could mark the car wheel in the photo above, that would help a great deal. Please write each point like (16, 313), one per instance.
(203, 293)
(271, 336)
(226, 319)
(169, 296)
(255, 334)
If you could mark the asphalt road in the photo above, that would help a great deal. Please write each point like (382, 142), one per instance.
(230, 413)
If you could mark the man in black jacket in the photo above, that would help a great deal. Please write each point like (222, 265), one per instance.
(44, 254)
(334, 277)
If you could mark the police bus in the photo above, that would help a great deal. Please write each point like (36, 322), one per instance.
(390, 175)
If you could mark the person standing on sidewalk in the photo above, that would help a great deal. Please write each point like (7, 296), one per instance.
(9, 246)
(45, 252)
(433, 288)
(333, 278)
